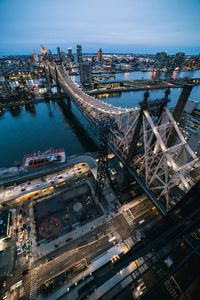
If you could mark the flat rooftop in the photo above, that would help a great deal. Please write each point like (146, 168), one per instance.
(4, 223)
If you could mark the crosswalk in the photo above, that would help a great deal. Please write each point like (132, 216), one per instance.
(129, 217)
(171, 290)
(33, 284)
(171, 287)
(114, 237)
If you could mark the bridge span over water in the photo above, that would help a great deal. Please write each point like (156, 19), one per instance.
(147, 140)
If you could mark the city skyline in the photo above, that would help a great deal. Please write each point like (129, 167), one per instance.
(100, 149)
(128, 26)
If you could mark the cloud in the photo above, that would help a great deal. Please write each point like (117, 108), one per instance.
(155, 22)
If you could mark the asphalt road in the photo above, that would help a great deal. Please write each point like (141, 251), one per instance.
(39, 172)
(87, 247)
(37, 184)
(76, 251)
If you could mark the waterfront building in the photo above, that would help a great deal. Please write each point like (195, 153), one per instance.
(44, 51)
(70, 54)
(100, 55)
(49, 54)
(85, 73)
(62, 56)
(5, 224)
(35, 57)
(5, 87)
(59, 53)
(162, 60)
(177, 61)
(190, 122)
(79, 53)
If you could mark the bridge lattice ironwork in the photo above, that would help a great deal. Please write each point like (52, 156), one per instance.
(147, 140)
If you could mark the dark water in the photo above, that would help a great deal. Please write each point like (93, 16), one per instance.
(39, 127)
(131, 99)
(157, 75)
(152, 75)
(44, 125)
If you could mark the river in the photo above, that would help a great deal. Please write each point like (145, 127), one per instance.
(40, 127)
(44, 125)
(131, 99)
(151, 75)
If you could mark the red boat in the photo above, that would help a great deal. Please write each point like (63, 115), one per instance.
(43, 158)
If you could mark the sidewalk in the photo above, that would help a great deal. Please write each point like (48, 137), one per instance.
(46, 248)
(53, 169)
(131, 204)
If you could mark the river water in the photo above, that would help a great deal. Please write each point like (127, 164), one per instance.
(152, 75)
(40, 127)
(55, 124)
(131, 99)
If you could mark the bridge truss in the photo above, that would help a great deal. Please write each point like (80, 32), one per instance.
(147, 140)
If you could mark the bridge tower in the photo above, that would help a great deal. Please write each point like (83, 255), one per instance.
(57, 82)
(182, 101)
(103, 131)
(164, 165)
(141, 138)
(48, 76)
(102, 167)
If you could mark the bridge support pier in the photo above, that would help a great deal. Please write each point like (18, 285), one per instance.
(58, 89)
(69, 103)
(57, 83)
(142, 141)
(49, 77)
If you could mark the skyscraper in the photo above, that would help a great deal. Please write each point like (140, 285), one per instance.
(100, 55)
(35, 56)
(58, 51)
(62, 56)
(79, 53)
(49, 54)
(86, 73)
(44, 51)
(70, 54)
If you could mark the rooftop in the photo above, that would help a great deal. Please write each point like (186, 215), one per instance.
(4, 223)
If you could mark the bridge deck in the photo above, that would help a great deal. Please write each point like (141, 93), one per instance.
(90, 103)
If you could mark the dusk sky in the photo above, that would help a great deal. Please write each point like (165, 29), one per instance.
(139, 26)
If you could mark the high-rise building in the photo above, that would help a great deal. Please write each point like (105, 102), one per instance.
(49, 54)
(79, 53)
(35, 57)
(100, 55)
(58, 51)
(70, 54)
(44, 51)
(85, 73)
(62, 56)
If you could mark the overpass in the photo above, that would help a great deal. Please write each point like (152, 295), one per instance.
(147, 140)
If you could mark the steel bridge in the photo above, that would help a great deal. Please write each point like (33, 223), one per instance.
(175, 235)
(147, 140)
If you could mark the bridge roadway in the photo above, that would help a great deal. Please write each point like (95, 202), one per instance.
(121, 134)
(95, 109)
(90, 106)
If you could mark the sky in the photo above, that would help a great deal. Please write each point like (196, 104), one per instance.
(133, 26)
